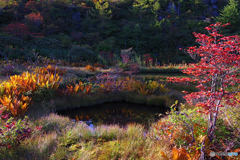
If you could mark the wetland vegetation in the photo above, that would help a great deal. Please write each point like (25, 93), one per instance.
(103, 79)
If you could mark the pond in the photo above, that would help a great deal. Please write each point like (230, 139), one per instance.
(121, 113)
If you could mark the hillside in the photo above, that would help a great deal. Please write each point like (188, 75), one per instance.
(156, 27)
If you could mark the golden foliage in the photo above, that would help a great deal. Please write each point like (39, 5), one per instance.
(149, 87)
(131, 84)
(90, 68)
(16, 106)
(164, 156)
(12, 91)
(180, 154)
(49, 81)
(77, 88)
(50, 69)
(177, 154)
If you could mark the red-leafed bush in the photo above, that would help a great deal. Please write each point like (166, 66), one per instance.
(34, 18)
(13, 132)
(217, 73)
(17, 29)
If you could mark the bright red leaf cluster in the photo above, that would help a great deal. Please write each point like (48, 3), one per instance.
(216, 72)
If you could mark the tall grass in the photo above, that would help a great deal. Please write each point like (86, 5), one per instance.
(62, 139)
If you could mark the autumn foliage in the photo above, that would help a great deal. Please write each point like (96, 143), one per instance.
(16, 29)
(80, 87)
(216, 72)
(35, 18)
(90, 68)
(12, 95)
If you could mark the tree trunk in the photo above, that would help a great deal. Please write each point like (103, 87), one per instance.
(178, 8)
(125, 42)
(213, 121)
(137, 43)
(102, 22)
(140, 14)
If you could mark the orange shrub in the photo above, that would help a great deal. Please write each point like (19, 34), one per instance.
(17, 106)
(50, 69)
(90, 68)
(87, 89)
(11, 92)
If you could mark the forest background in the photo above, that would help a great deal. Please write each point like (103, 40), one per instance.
(161, 28)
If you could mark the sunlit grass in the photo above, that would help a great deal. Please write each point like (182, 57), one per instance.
(53, 123)
(108, 132)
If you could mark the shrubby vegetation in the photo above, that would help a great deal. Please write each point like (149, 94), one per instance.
(56, 56)
(78, 54)
(150, 27)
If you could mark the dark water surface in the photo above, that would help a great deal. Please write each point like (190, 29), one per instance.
(121, 113)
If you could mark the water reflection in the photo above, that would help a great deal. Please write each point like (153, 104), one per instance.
(120, 113)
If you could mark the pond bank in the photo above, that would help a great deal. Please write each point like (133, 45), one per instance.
(38, 109)
(80, 100)
(116, 113)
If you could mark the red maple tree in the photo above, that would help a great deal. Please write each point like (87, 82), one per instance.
(216, 72)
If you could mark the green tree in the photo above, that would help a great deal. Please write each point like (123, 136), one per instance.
(230, 14)
(155, 8)
(101, 11)
(179, 6)
(87, 23)
(140, 6)
(137, 31)
(126, 32)
(197, 2)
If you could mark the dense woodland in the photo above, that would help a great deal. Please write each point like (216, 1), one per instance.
(54, 28)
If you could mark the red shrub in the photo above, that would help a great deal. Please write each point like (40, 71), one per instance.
(17, 29)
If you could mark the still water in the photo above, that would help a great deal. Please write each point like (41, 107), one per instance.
(121, 113)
